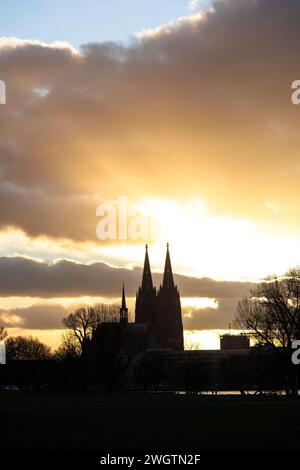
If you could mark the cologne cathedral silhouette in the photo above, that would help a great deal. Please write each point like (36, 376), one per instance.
(158, 310)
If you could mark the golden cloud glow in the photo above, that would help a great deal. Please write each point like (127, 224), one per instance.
(190, 122)
(206, 244)
(199, 302)
(169, 27)
(7, 43)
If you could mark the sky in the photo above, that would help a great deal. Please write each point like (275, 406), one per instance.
(183, 111)
(80, 22)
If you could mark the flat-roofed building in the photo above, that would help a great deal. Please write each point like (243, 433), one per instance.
(230, 342)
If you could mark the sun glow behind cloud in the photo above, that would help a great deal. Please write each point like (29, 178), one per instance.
(167, 120)
(205, 339)
(206, 244)
(199, 302)
(203, 244)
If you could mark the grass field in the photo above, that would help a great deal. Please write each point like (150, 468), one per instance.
(148, 421)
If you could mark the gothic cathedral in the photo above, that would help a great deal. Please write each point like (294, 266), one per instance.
(160, 310)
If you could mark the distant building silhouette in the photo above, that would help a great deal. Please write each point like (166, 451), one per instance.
(234, 342)
(157, 326)
(160, 310)
(123, 309)
(145, 306)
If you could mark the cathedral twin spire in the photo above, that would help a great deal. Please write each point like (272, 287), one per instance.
(147, 283)
(159, 310)
(168, 279)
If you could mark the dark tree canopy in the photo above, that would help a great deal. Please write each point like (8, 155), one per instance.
(27, 349)
(69, 349)
(84, 321)
(271, 313)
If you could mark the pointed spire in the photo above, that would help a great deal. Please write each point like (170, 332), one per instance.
(168, 280)
(147, 277)
(123, 309)
(123, 298)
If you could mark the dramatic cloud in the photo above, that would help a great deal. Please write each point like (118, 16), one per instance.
(210, 318)
(198, 108)
(48, 316)
(22, 277)
(201, 107)
(26, 277)
(38, 316)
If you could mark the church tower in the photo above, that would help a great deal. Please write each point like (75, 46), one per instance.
(123, 310)
(145, 306)
(169, 321)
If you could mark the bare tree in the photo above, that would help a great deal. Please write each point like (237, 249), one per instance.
(70, 347)
(81, 323)
(107, 313)
(271, 313)
(84, 321)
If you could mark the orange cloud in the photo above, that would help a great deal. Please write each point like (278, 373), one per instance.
(203, 110)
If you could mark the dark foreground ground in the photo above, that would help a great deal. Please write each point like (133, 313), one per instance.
(147, 421)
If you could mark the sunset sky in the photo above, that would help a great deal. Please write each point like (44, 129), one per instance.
(184, 108)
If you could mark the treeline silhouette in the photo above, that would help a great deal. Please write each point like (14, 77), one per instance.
(92, 354)
(31, 364)
(271, 314)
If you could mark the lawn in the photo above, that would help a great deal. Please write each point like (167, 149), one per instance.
(147, 421)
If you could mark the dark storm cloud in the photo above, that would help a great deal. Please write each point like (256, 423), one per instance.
(45, 316)
(205, 101)
(210, 318)
(38, 316)
(26, 277)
